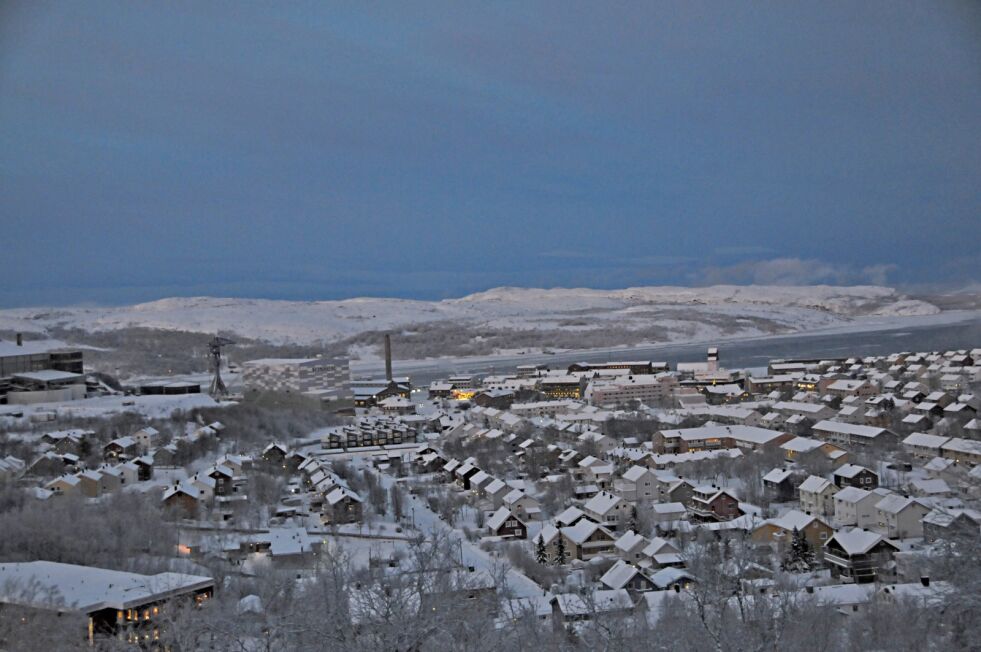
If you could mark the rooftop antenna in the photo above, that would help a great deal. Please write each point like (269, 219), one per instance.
(218, 388)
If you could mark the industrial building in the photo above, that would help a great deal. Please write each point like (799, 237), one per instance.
(40, 372)
(325, 379)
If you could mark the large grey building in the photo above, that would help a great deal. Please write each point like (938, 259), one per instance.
(36, 371)
(318, 377)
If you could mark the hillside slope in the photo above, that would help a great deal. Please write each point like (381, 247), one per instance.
(669, 313)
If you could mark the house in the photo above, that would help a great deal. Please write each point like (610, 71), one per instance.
(144, 438)
(853, 475)
(638, 483)
(224, 479)
(711, 437)
(661, 553)
(631, 546)
(10, 468)
(921, 444)
(495, 490)
(66, 485)
(522, 505)
(930, 488)
(608, 509)
(960, 450)
(51, 463)
(899, 517)
(573, 607)
(624, 575)
(859, 555)
(951, 525)
(851, 434)
(503, 523)
(120, 448)
(274, 456)
(111, 603)
(341, 505)
(780, 530)
(667, 513)
(549, 537)
(854, 506)
(90, 483)
(816, 495)
(711, 503)
(144, 466)
(845, 387)
(569, 516)
(182, 500)
(587, 539)
(779, 485)
(666, 580)
(799, 449)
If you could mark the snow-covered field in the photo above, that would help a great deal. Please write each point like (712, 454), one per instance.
(151, 407)
(681, 313)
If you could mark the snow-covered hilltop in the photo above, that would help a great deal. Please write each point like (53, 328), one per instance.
(679, 312)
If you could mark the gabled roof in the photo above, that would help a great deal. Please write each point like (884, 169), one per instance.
(620, 574)
(569, 515)
(584, 529)
(815, 484)
(857, 541)
(776, 476)
(851, 470)
(498, 518)
(629, 541)
(794, 519)
(602, 503)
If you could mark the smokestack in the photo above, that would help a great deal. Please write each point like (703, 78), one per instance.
(388, 357)
(20, 339)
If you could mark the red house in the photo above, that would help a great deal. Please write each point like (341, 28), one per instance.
(710, 503)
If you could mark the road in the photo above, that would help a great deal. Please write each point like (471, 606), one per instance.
(426, 520)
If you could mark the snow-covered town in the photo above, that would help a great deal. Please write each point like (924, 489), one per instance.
(448, 326)
(591, 504)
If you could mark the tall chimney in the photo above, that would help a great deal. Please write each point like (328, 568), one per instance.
(388, 357)
(20, 339)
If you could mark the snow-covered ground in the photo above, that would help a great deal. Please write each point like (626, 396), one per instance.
(153, 407)
(682, 312)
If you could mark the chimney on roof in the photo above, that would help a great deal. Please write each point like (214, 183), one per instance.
(388, 357)
(20, 339)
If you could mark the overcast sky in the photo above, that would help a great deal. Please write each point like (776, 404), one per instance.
(430, 149)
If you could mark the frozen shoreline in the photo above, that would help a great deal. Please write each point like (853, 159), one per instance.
(859, 325)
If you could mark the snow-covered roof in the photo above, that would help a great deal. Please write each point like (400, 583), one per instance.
(619, 575)
(47, 375)
(85, 589)
(850, 470)
(629, 541)
(602, 502)
(815, 484)
(894, 503)
(777, 476)
(582, 530)
(794, 519)
(857, 541)
(851, 429)
(498, 518)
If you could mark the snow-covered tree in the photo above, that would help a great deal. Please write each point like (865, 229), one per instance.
(561, 555)
(541, 556)
(799, 557)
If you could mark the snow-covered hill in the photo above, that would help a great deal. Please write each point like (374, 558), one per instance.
(680, 312)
